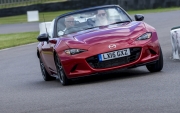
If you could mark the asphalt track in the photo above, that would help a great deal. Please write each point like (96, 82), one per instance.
(22, 89)
(18, 28)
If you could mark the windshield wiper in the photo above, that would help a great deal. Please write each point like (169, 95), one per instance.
(91, 27)
(109, 24)
(120, 22)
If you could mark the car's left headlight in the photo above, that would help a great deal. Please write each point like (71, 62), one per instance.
(74, 51)
(145, 36)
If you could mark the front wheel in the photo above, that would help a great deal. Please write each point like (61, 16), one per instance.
(158, 65)
(45, 74)
(60, 72)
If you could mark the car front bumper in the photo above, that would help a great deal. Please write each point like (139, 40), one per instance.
(79, 65)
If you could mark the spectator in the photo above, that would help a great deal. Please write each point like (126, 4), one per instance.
(101, 18)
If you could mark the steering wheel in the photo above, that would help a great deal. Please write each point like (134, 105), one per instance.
(72, 30)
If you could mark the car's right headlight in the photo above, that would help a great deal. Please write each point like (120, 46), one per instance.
(74, 51)
(145, 36)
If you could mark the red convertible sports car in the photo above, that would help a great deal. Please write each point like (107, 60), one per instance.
(95, 40)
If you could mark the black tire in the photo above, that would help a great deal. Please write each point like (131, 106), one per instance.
(44, 72)
(60, 72)
(158, 65)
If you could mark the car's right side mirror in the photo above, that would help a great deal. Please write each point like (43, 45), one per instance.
(43, 37)
(139, 17)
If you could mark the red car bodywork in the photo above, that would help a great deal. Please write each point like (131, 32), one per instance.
(96, 41)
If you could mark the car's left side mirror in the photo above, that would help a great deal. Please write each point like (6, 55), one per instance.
(139, 17)
(43, 37)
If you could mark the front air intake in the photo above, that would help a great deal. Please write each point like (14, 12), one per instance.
(74, 68)
(152, 52)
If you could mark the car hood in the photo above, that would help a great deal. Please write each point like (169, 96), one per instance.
(126, 32)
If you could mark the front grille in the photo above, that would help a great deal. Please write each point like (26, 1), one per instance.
(95, 63)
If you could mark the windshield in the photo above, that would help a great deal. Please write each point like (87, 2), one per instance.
(90, 19)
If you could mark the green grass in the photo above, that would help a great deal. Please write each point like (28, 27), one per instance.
(51, 15)
(16, 39)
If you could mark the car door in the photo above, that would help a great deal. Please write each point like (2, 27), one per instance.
(48, 49)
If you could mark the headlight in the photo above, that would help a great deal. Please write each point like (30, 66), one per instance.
(145, 36)
(74, 51)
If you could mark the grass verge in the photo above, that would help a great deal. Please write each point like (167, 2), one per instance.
(49, 16)
(16, 39)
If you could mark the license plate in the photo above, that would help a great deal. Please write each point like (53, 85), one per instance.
(114, 54)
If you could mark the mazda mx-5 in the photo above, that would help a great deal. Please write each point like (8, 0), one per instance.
(97, 39)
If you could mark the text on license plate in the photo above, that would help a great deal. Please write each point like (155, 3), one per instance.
(114, 54)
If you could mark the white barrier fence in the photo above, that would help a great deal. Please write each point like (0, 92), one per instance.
(32, 16)
(175, 40)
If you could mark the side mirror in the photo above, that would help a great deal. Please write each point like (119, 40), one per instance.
(43, 37)
(139, 17)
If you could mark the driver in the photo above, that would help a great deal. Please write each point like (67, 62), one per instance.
(69, 23)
